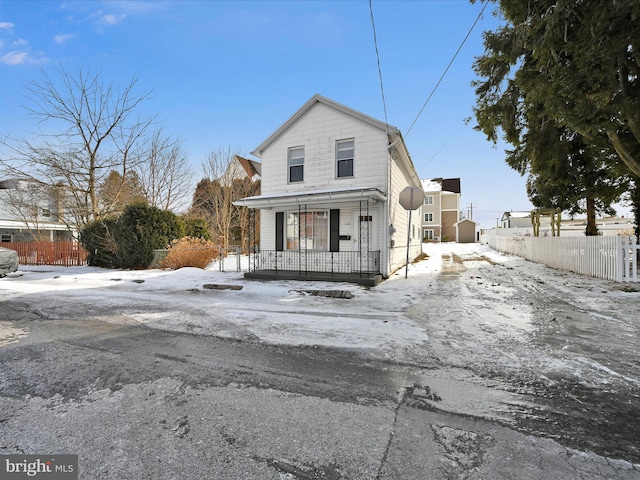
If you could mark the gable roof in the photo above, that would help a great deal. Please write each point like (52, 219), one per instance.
(450, 185)
(512, 214)
(251, 167)
(312, 102)
(466, 220)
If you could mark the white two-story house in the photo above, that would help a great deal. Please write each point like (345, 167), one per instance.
(331, 177)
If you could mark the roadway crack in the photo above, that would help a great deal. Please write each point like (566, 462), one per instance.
(403, 394)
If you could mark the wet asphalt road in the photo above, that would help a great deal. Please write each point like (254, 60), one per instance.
(481, 400)
(136, 403)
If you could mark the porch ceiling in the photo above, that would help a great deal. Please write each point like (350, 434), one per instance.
(311, 197)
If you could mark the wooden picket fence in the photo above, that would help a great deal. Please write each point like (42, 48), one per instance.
(65, 254)
(609, 257)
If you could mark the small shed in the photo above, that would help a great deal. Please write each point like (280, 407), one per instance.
(465, 231)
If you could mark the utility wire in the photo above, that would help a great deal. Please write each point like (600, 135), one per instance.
(375, 42)
(448, 66)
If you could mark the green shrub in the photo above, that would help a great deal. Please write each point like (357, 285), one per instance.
(98, 240)
(141, 229)
(128, 241)
(196, 227)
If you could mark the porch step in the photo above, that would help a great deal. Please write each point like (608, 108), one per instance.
(364, 279)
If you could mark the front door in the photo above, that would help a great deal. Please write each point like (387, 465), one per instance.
(365, 241)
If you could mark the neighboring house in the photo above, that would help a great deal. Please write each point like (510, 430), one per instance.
(520, 223)
(331, 177)
(30, 210)
(441, 209)
(240, 167)
(516, 219)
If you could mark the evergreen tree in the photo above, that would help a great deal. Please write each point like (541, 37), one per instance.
(560, 70)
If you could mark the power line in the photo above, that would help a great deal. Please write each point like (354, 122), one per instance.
(375, 42)
(448, 66)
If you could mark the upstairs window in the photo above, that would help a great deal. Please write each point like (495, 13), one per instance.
(428, 217)
(428, 200)
(296, 164)
(344, 158)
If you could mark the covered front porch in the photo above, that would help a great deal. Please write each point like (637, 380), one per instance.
(351, 266)
(320, 235)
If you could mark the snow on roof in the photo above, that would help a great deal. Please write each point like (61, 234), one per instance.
(517, 214)
(432, 184)
(450, 185)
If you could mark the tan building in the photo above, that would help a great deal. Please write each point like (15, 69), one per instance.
(466, 231)
(441, 209)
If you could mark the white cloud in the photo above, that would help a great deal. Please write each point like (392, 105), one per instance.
(15, 58)
(111, 19)
(21, 42)
(62, 38)
(6, 25)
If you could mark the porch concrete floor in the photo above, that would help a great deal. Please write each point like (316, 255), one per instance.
(364, 279)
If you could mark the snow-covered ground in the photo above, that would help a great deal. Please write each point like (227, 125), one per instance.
(465, 302)
(481, 333)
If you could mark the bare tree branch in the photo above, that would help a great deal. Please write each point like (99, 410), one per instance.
(88, 128)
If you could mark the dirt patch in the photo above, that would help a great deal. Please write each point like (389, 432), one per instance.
(419, 258)
(479, 258)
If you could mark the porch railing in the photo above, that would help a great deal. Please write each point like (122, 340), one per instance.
(317, 261)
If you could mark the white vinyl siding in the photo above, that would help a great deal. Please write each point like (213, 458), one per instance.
(399, 218)
(318, 131)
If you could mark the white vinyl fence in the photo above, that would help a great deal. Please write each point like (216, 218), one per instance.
(608, 257)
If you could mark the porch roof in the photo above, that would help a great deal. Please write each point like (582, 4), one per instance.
(18, 225)
(334, 195)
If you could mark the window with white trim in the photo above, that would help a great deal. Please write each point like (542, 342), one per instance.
(6, 238)
(428, 217)
(295, 162)
(308, 230)
(427, 234)
(344, 158)
(428, 200)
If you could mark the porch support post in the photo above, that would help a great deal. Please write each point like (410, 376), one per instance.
(368, 236)
(360, 237)
(299, 239)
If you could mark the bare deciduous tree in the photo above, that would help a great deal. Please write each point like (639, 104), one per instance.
(225, 181)
(88, 128)
(164, 173)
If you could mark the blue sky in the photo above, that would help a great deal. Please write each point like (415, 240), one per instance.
(228, 73)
